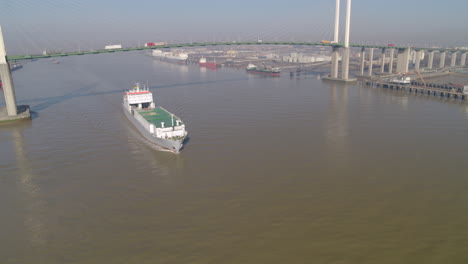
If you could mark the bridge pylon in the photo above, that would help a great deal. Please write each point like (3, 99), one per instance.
(346, 52)
(13, 112)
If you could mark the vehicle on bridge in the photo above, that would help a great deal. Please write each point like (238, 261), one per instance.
(118, 46)
(155, 44)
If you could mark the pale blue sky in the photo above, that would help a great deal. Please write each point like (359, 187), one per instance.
(30, 27)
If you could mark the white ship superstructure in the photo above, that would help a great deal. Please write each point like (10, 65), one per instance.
(157, 125)
(170, 56)
(402, 80)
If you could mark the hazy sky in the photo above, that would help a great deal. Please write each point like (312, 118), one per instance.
(30, 26)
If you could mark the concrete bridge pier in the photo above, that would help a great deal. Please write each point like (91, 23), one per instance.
(403, 60)
(363, 60)
(453, 60)
(334, 62)
(430, 60)
(371, 61)
(8, 89)
(417, 62)
(390, 63)
(463, 59)
(382, 62)
(345, 64)
(442, 59)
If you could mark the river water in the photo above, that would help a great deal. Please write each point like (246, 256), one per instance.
(276, 170)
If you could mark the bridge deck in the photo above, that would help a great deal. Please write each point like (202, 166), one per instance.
(74, 53)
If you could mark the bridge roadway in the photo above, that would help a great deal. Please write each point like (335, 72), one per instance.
(73, 53)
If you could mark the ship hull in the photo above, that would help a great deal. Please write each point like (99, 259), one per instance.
(179, 61)
(264, 73)
(172, 145)
(170, 59)
(211, 65)
(15, 67)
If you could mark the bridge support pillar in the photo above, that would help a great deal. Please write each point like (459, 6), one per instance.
(7, 80)
(345, 64)
(403, 60)
(382, 62)
(390, 63)
(463, 59)
(417, 62)
(334, 62)
(363, 60)
(371, 61)
(345, 58)
(442, 59)
(13, 111)
(430, 60)
(8, 91)
(453, 60)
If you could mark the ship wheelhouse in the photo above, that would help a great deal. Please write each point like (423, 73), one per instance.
(140, 98)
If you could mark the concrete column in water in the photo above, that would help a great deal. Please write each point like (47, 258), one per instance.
(417, 62)
(334, 62)
(430, 60)
(442, 59)
(382, 62)
(407, 57)
(7, 80)
(403, 60)
(463, 59)
(453, 60)
(345, 64)
(371, 61)
(390, 63)
(363, 60)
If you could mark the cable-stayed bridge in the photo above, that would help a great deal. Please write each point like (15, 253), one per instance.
(393, 54)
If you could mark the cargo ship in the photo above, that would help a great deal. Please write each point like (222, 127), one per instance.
(272, 71)
(169, 56)
(204, 63)
(156, 124)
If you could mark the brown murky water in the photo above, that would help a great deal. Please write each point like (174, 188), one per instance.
(277, 170)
